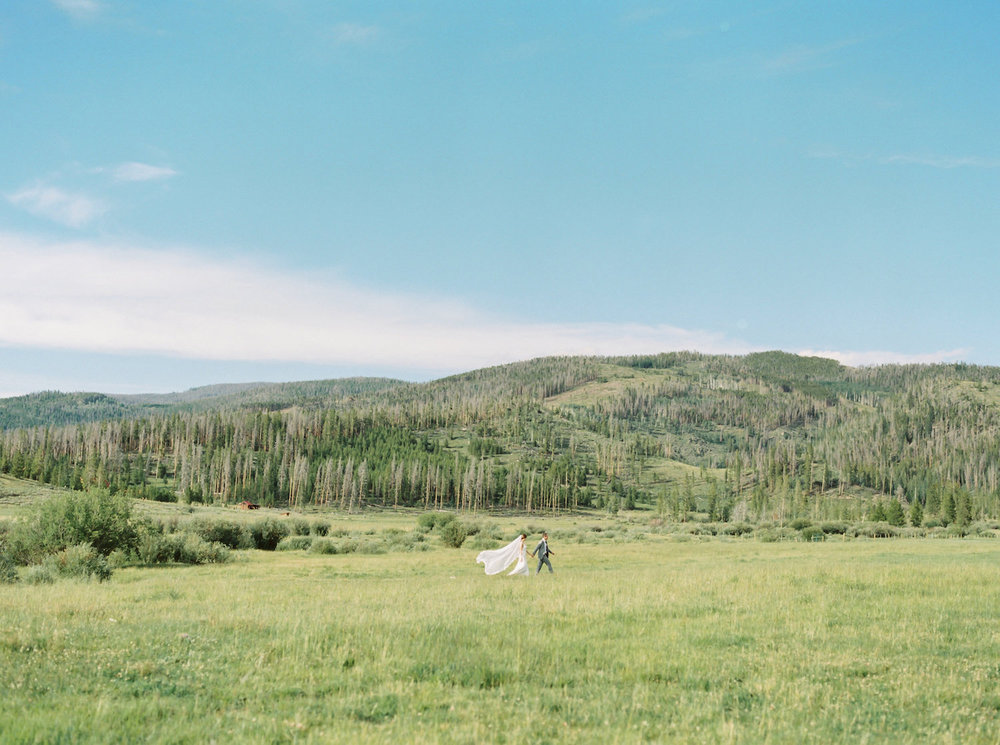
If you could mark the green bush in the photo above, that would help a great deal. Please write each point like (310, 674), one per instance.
(319, 527)
(267, 533)
(735, 528)
(160, 494)
(96, 517)
(874, 530)
(299, 526)
(8, 570)
(81, 561)
(230, 533)
(39, 574)
(5, 526)
(323, 546)
(398, 540)
(444, 518)
(151, 548)
(799, 523)
(430, 520)
(295, 543)
(193, 549)
(453, 533)
(813, 533)
(772, 535)
(179, 548)
(834, 528)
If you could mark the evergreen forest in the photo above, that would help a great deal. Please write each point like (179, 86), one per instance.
(767, 437)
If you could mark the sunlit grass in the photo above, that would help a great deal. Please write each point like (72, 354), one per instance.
(651, 641)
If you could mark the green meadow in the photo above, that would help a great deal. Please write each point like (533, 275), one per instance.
(638, 637)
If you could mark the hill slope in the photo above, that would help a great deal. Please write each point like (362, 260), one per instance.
(54, 409)
(767, 436)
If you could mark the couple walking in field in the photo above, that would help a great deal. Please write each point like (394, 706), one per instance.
(498, 559)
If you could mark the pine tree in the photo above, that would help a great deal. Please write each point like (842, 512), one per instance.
(916, 514)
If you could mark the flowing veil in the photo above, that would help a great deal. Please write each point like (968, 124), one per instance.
(498, 559)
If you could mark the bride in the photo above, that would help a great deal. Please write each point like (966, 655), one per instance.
(498, 559)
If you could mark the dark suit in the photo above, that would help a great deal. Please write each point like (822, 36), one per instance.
(542, 552)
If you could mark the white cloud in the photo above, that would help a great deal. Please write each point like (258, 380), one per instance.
(353, 34)
(941, 161)
(803, 57)
(142, 172)
(882, 357)
(53, 203)
(79, 8)
(928, 160)
(93, 297)
(87, 296)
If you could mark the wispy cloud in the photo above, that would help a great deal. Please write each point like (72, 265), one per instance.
(141, 172)
(941, 161)
(927, 160)
(81, 9)
(52, 203)
(805, 57)
(883, 357)
(794, 60)
(353, 34)
(89, 296)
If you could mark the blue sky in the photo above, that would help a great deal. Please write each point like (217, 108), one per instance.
(201, 192)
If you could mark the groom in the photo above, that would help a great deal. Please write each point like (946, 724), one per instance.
(543, 551)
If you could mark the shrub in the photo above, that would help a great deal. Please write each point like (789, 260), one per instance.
(323, 546)
(229, 533)
(299, 526)
(160, 494)
(39, 574)
(799, 523)
(735, 529)
(319, 527)
(96, 517)
(771, 535)
(118, 559)
(81, 561)
(397, 540)
(427, 520)
(193, 549)
(295, 543)
(180, 548)
(444, 518)
(693, 529)
(151, 548)
(8, 570)
(267, 533)
(874, 530)
(453, 534)
(813, 533)
(835, 528)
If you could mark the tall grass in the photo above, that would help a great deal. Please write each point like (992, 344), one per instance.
(653, 641)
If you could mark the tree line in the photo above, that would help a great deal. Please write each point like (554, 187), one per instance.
(762, 437)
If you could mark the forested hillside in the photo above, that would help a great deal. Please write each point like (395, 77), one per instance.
(765, 437)
(54, 409)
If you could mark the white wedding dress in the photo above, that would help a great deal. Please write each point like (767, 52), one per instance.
(498, 559)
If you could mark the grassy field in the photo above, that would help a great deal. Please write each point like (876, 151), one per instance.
(656, 640)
